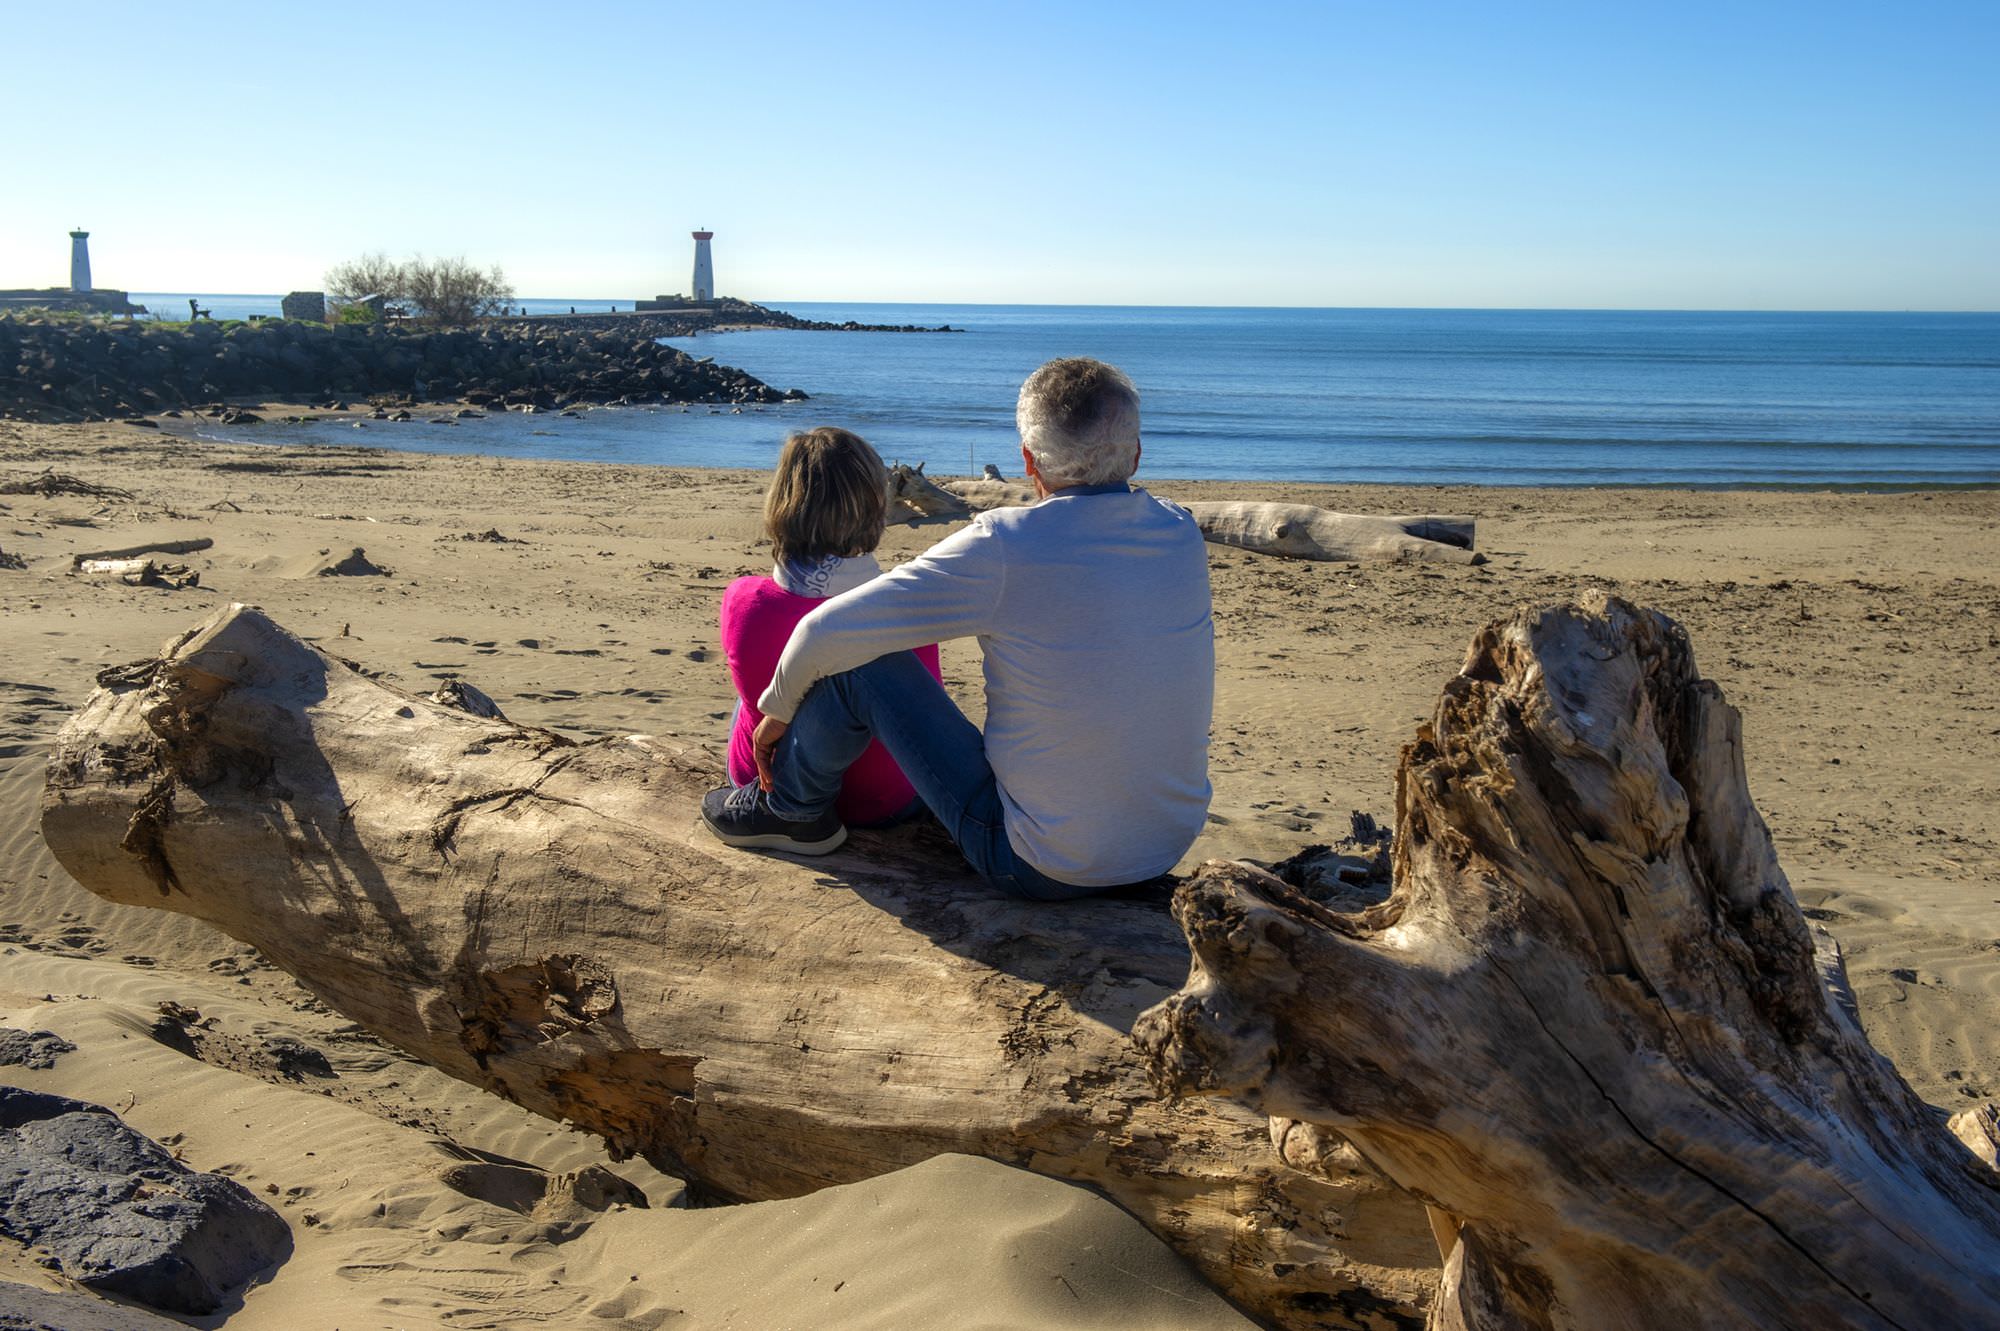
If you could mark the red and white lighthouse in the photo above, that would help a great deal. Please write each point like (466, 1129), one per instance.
(704, 267)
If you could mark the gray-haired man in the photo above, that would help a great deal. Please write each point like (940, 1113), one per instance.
(1092, 610)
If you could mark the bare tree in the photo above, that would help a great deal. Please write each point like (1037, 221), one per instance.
(453, 291)
(370, 275)
(449, 291)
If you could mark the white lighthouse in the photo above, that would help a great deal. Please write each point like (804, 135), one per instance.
(79, 261)
(704, 267)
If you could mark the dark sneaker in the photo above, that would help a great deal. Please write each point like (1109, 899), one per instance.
(740, 816)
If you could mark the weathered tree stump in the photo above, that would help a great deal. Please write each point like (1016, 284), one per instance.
(549, 921)
(1589, 1023)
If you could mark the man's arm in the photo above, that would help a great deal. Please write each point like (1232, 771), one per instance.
(949, 591)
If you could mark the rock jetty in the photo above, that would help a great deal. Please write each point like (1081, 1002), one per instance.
(667, 317)
(83, 370)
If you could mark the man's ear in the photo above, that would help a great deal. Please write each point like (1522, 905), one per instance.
(1028, 463)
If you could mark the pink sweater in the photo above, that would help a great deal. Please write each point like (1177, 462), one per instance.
(758, 617)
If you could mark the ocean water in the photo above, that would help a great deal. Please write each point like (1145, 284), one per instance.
(1525, 397)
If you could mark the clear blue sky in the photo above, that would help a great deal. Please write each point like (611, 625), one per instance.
(1693, 155)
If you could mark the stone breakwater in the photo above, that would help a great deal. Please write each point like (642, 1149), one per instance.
(663, 319)
(69, 370)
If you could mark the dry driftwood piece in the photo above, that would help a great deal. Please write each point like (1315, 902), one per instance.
(117, 568)
(1301, 531)
(549, 921)
(923, 496)
(1590, 1022)
(1293, 531)
(1979, 1128)
(182, 547)
(51, 483)
(989, 492)
(141, 572)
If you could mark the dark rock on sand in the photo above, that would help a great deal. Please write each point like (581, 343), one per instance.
(121, 1215)
(356, 565)
(25, 1308)
(31, 1049)
(295, 1059)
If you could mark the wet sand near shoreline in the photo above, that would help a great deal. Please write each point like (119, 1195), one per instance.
(1856, 632)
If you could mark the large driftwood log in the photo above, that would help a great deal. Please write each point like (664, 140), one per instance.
(1291, 531)
(1590, 1022)
(987, 493)
(1301, 531)
(549, 921)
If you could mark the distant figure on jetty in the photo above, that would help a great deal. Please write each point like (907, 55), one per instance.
(1092, 609)
(824, 512)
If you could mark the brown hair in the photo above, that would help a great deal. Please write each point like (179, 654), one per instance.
(828, 496)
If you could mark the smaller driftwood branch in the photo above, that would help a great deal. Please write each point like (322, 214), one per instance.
(922, 496)
(1979, 1129)
(49, 484)
(182, 547)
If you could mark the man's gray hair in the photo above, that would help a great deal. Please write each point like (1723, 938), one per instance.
(1080, 418)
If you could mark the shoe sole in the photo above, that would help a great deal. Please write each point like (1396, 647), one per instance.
(779, 841)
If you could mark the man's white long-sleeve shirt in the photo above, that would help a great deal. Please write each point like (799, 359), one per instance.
(1092, 611)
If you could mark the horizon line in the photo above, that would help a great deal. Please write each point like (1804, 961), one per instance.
(1069, 305)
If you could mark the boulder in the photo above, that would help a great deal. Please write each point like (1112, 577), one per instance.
(31, 1049)
(355, 565)
(120, 1214)
(25, 1308)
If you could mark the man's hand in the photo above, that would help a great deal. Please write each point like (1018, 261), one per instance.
(764, 739)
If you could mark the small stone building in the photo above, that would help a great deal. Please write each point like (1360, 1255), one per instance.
(306, 305)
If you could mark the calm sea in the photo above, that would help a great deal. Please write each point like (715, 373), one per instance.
(1527, 397)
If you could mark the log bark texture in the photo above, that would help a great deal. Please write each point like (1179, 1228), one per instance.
(549, 921)
(1589, 1022)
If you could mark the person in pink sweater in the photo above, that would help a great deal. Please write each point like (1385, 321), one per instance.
(824, 513)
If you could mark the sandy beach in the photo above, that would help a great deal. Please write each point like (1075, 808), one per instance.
(1851, 629)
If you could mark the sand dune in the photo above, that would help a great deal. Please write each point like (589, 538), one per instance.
(1851, 629)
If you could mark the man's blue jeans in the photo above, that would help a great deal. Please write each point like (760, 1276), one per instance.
(895, 700)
